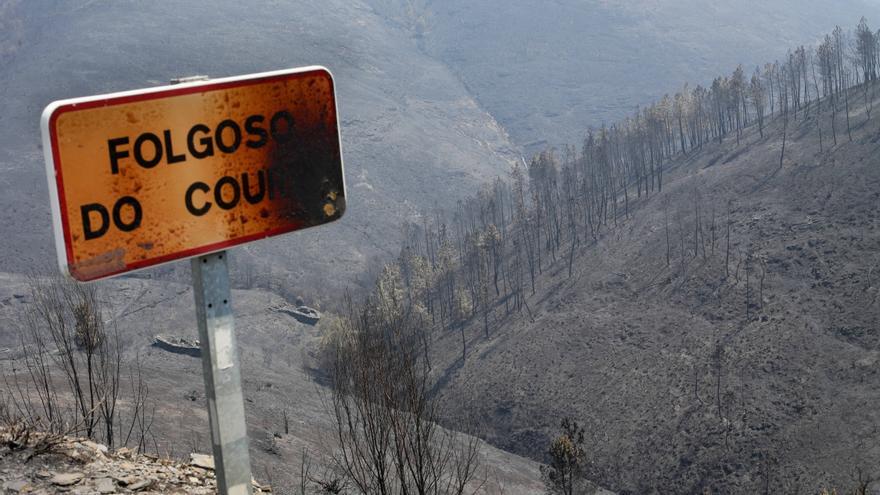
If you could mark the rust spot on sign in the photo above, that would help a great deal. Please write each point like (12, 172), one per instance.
(99, 266)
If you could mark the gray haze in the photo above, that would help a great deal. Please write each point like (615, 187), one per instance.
(634, 339)
(428, 91)
(548, 70)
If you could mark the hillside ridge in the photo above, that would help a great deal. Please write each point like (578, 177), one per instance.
(286, 405)
(715, 368)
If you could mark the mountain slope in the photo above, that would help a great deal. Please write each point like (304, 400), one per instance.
(410, 137)
(728, 374)
(275, 355)
(548, 70)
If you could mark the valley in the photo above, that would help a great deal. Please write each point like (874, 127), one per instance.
(688, 271)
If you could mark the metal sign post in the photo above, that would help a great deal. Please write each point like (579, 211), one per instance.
(220, 364)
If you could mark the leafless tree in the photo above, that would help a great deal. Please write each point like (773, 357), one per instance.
(666, 224)
(65, 344)
(727, 247)
(758, 96)
(386, 423)
(783, 103)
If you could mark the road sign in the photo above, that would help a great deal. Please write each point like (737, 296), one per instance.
(145, 177)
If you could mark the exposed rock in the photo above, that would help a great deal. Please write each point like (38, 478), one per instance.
(97, 447)
(303, 314)
(124, 451)
(16, 486)
(66, 479)
(125, 479)
(178, 345)
(105, 485)
(80, 466)
(140, 485)
(203, 461)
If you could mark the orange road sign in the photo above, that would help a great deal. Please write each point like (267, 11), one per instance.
(149, 176)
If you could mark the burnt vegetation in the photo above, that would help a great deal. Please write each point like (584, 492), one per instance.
(471, 275)
(68, 376)
(484, 266)
(481, 258)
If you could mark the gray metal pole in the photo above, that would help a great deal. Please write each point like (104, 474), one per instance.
(220, 363)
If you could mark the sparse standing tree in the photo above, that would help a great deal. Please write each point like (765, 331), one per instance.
(565, 471)
(763, 264)
(727, 248)
(818, 106)
(666, 221)
(784, 104)
(757, 93)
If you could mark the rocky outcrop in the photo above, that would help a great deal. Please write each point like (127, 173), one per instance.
(178, 345)
(34, 462)
(303, 314)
